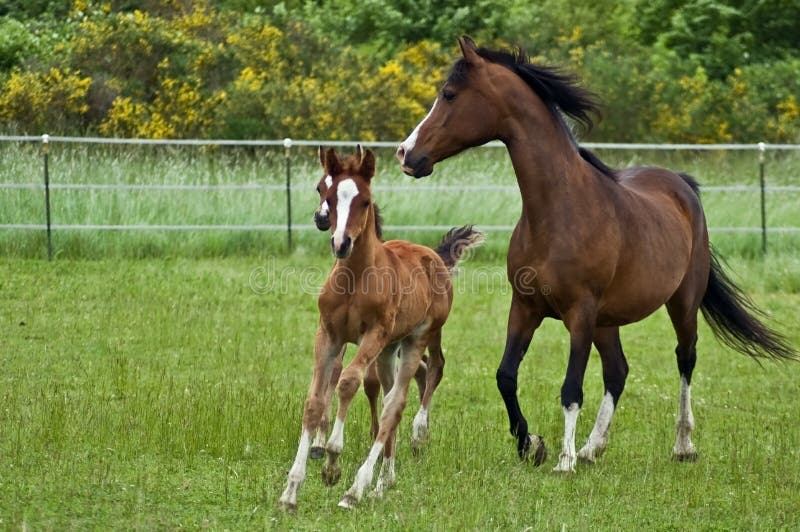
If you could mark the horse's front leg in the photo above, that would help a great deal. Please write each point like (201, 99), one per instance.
(522, 322)
(325, 352)
(371, 346)
(580, 321)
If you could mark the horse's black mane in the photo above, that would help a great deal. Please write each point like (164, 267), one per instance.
(558, 90)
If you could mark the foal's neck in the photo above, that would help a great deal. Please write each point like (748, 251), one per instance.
(367, 249)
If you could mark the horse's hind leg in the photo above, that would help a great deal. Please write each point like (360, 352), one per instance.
(615, 371)
(318, 447)
(684, 320)
(433, 376)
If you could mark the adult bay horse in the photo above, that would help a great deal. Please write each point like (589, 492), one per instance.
(594, 247)
(390, 298)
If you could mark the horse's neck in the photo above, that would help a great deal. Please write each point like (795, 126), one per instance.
(550, 173)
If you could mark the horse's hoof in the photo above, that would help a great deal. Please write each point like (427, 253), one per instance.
(534, 450)
(590, 456)
(348, 502)
(331, 474)
(317, 453)
(566, 464)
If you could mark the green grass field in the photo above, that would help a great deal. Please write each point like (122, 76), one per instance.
(167, 393)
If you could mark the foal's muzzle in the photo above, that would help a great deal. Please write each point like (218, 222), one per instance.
(345, 248)
(322, 221)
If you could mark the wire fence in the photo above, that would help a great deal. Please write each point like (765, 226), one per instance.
(287, 188)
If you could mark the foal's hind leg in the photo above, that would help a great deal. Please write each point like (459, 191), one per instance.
(615, 371)
(372, 389)
(433, 376)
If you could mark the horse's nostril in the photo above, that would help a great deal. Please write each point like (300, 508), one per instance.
(401, 153)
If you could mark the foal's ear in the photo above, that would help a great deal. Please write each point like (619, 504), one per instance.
(321, 154)
(367, 169)
(469, 49)
(359, 153)
(332, 163)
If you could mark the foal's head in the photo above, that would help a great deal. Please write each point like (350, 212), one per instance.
(348, 200)
(322, 215)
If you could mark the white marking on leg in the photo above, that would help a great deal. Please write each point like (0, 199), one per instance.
(419, 429)
(336, 441)
(297, 473)
(345, 194)
(599, 436)
(684, 448)
(408, 144)
(567, 458)
(363, 477)
(319, 439)
(386, 477)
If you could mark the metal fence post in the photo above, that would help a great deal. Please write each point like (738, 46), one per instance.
(287, 145)
(761, 149)
(45, 150)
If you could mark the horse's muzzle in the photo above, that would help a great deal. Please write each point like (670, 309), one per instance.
(412, 165)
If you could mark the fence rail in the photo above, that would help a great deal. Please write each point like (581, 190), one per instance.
(45, 140)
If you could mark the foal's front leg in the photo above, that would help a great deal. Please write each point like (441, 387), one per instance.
(371, 345)
(394, 403)
(325, 352)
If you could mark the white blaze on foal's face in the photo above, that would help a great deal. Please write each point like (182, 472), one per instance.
(346, 192)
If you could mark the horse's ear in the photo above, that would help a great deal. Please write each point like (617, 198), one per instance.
(359, 153)
(321, 154)
(332, 163)
(469, 49)
(367, 169)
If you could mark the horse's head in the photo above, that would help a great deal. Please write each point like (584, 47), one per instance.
(466, 113)
(348, 199)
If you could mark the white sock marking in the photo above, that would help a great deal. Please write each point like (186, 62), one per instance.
(345, 194)
(419, 429)
(336, 441)
(297, 473)
(567, 458)
(597, 439)
(685, 424)
(363, 476)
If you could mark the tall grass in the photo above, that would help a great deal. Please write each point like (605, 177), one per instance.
(415, 204)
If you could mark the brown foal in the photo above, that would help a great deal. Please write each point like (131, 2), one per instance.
(391, 299)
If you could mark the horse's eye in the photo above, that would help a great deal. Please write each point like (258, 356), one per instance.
(366, 203)
(318, 190)
(448, 95)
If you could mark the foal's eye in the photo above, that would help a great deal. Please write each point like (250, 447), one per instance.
(448, 95)
(318, 190)
(366, 203)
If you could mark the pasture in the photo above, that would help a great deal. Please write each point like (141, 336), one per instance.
(167, 393)
(156, 379)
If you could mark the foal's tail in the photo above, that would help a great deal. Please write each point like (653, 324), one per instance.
(734, 319)
(456, 243)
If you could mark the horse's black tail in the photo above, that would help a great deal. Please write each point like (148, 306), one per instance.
(456, 243)
(733, 318)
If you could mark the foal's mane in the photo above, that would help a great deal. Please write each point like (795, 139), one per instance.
(560, 92)
(351, 166)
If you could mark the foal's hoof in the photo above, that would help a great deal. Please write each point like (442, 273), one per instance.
(534, 449)
(288, 507)
(690, 456)
(331, 474)
(348, 502)
(317, 453)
